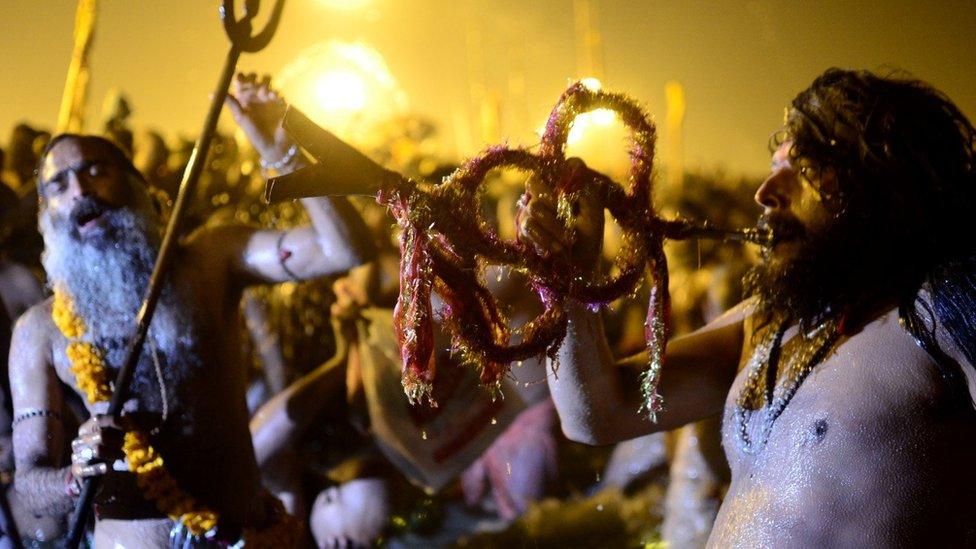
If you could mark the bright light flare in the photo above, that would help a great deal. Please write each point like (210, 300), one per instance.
(592, 84)
(340, 90)
(344, 87)
(599, 118)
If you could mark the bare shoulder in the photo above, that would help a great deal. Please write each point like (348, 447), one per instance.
(36, 319)
(888, 365)
(30, 344)
(219, 249)
(219, 238)
(953, 341)
(721, 338)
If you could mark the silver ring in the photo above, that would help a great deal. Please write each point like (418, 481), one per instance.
(87, 454)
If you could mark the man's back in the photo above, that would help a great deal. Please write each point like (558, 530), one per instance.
(871, 450)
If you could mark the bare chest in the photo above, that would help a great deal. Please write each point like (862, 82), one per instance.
(189, 353)
(864, 441)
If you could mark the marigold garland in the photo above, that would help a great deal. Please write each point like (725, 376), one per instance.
(88, 366)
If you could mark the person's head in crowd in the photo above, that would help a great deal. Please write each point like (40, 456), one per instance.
(872, 185)
(151, 158)
(22, 149)
(352, 514)
(101, 233)
(122, 137)
(4, 188)
(9, 210)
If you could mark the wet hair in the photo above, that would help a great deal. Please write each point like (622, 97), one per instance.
(905, 161)
(118, 157)
(903, 154)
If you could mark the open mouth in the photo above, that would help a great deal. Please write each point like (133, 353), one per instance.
(87, 216)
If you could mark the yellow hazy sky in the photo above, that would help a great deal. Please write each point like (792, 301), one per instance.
(740, 62)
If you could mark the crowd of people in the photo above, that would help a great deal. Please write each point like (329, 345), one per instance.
(266, 408)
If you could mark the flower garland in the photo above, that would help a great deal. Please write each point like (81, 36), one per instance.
(88, 367)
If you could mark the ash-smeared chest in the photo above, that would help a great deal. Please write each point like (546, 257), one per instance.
(167, 365)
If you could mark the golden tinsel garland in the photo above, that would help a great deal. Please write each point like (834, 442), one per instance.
(88, 366)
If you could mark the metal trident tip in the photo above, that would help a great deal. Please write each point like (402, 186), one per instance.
(240, 30)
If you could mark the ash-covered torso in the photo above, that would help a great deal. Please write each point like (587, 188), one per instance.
(204, 438)
(870, 451)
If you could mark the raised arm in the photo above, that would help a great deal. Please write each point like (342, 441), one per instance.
(597, 397)
(338, 239)
(42, 478)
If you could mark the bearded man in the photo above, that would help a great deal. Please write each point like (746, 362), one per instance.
(845, 384)
(101, 236)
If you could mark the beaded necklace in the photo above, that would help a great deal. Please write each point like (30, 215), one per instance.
(761, 393)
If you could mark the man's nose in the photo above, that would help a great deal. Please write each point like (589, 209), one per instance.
(774, 193)
(78, 186)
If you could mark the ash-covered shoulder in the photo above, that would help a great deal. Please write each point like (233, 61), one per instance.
(30, 344)
(37, 316)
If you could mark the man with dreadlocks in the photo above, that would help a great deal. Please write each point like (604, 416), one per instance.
(845, 383)
(194, 481)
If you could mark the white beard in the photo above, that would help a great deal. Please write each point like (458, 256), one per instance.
(107, 275)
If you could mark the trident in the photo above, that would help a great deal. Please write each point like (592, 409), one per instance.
(239, 31)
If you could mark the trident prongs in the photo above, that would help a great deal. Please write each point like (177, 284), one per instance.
(239, 33)
(239, 30)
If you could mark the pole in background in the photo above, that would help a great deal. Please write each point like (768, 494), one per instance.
(71, 116)
(674, 95)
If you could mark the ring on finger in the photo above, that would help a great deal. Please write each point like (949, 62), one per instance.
(96, 469)
(87, 453)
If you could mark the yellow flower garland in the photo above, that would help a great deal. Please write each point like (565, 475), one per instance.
(88, 366)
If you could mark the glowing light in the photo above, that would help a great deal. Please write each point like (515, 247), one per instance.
(599, 118)
(345, 87)
(340, 90)
(591, 83)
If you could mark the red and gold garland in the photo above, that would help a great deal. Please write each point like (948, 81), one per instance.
(444, 246)
(88, 366)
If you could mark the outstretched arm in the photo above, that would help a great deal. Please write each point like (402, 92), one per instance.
(338, 239)
(597, 397)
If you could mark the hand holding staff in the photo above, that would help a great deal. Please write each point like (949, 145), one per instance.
(240, 33)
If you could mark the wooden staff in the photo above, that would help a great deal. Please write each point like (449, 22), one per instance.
(71, 117)
(242, 40)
